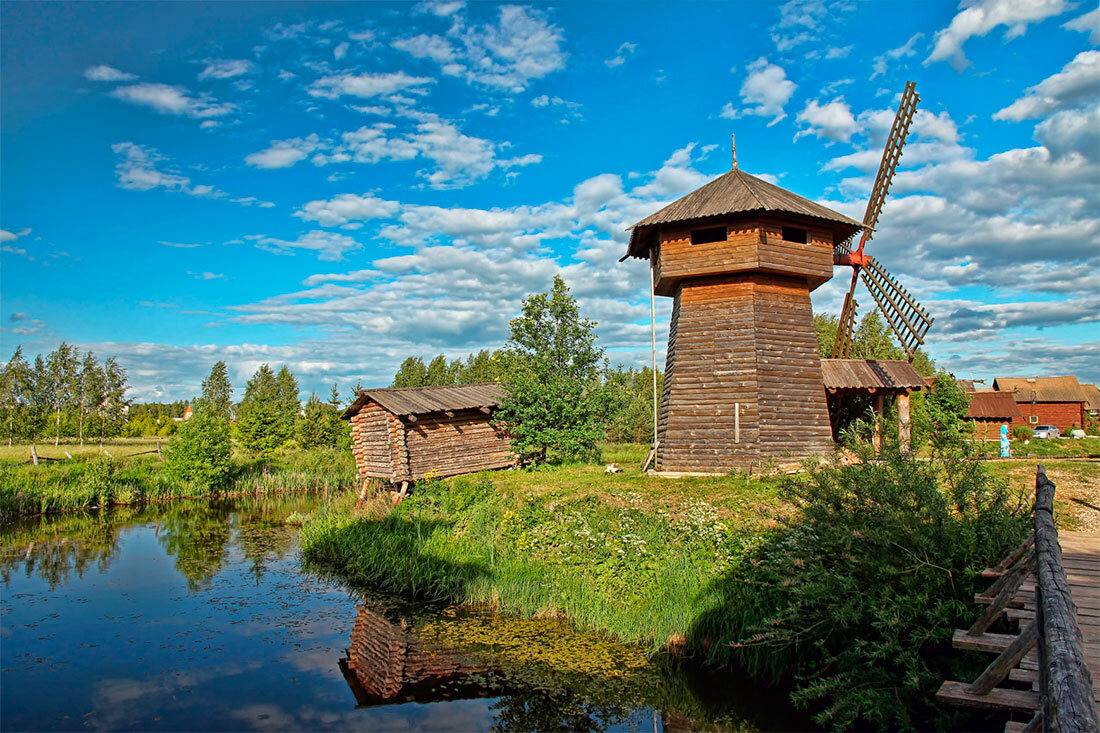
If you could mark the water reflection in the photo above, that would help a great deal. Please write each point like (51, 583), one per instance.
(199, 616)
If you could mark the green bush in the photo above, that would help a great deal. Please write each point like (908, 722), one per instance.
(201, 451)
(1022, 432)
(853, 600)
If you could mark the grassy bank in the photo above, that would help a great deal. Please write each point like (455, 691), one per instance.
(776, 573)
(86, 482)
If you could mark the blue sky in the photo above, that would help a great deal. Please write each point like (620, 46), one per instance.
(337, 186)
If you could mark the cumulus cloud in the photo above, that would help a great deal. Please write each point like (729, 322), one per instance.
(226, 68)
(1087, 23)
(507, 55)
(979, 18)
(880, 63)
(103, 72)
(366, 85)
(284, 153)
(172, 100)
(141, 168)
(622, 53)
(329, 246)
(766, 90)
(1077, 82)
(832, 121)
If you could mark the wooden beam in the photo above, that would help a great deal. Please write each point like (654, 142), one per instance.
(957, 693)
(998, 669)
(904, 424)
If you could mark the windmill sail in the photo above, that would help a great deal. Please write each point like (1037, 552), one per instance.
(908, 320)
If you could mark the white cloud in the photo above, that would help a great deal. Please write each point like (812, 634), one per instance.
(173, 100)
(6, 236)
(1076, 83)
(768, 88)
(284, 153)
(329, 246)
(981, 17)
(1087, 23)
(831, 121)
(141, 168)
(366, 85)
(341, 50)
(521, 46)
(206, 275)
(622, 53)
(226, 68)
(880, 63)
(441, 8)
(347, 207)
(103, 72)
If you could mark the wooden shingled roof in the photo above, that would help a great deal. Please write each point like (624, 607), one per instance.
(1042, 389)
(871, 375)
(424, 400)
(985, 405)
(737, 192)
(1092, 396)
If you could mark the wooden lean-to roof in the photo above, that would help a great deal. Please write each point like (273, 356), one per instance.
(1042, 389)
(737, 192)
(997, 405)
(424, 400)
(871, 375)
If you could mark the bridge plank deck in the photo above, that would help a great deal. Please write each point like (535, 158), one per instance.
(1081, 551)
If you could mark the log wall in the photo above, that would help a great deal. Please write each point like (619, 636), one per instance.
(741, 344)
(749, 245)
(372, 442)
(449, 446)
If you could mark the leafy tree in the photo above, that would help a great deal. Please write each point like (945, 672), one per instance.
(944, 417)
(289, 405)
(411, 373)
(201, 450)
(62, 368)
(632, 420)
(15, 388)
(115, 404)
(315, 427)
(258, 416)
(91, 392)
(217, 392)
(39, 398)
(557, 400)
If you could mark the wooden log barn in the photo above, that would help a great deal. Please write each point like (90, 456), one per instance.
(400, 435)
(988, 411)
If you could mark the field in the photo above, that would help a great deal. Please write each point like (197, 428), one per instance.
(118, 447)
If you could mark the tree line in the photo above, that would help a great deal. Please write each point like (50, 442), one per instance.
(63, 393)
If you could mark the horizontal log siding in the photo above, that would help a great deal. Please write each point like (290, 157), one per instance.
(987, 428)
(449, 446)
(794, 414)
(745, 339)
(749, 245)
(371, 442)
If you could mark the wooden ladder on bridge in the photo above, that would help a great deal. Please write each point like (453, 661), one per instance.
(1051, 590)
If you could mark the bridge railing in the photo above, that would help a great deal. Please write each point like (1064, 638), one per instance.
(1048, 620)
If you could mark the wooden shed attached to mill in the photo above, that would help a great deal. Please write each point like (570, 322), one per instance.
(743, 380)
(404, 434)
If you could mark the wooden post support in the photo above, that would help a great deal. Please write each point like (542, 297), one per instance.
(904, 425)
(34, 455)
(68, 455)
(877, 439)
(1006, 660)
(106, 453)
(159, 454)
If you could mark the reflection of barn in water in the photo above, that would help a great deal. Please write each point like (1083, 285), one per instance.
(388, 663)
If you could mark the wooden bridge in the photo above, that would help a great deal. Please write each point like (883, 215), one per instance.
(1050, 670)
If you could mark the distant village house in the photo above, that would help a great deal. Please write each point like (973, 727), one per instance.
(1057, 401)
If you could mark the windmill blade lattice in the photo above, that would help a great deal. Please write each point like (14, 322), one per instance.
(909, 321)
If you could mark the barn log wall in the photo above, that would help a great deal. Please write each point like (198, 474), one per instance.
(1062, 415)
(448, 446)
(990, 429)
(744, 340)
(372, 443)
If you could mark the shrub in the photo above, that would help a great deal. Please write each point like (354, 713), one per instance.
(1022, 432)
(201, 451)
(854, 599)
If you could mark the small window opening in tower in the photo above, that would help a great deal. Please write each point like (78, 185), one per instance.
(794, 234)
(705, 236)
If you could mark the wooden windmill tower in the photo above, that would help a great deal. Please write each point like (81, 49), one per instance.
(743, 382)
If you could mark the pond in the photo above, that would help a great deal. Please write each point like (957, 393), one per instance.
(201, 616)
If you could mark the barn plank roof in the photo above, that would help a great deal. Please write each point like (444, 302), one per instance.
(992, 405)
(424, 400)
(871, 374)
(1046, 389)
(733, 193)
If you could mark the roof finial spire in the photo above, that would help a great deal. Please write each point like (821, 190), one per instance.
(733, 150)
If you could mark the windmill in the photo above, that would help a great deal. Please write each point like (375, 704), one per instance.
(907, 319)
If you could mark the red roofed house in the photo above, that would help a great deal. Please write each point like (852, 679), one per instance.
(1092, 400)
(1057, 401)
(988, 411)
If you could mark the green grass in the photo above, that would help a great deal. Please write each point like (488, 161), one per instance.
(626, 553)
(118, 447)
(83, 483)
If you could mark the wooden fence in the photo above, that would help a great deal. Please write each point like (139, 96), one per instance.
(1032, 588)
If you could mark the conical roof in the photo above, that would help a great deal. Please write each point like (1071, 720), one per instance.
(737, 192)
